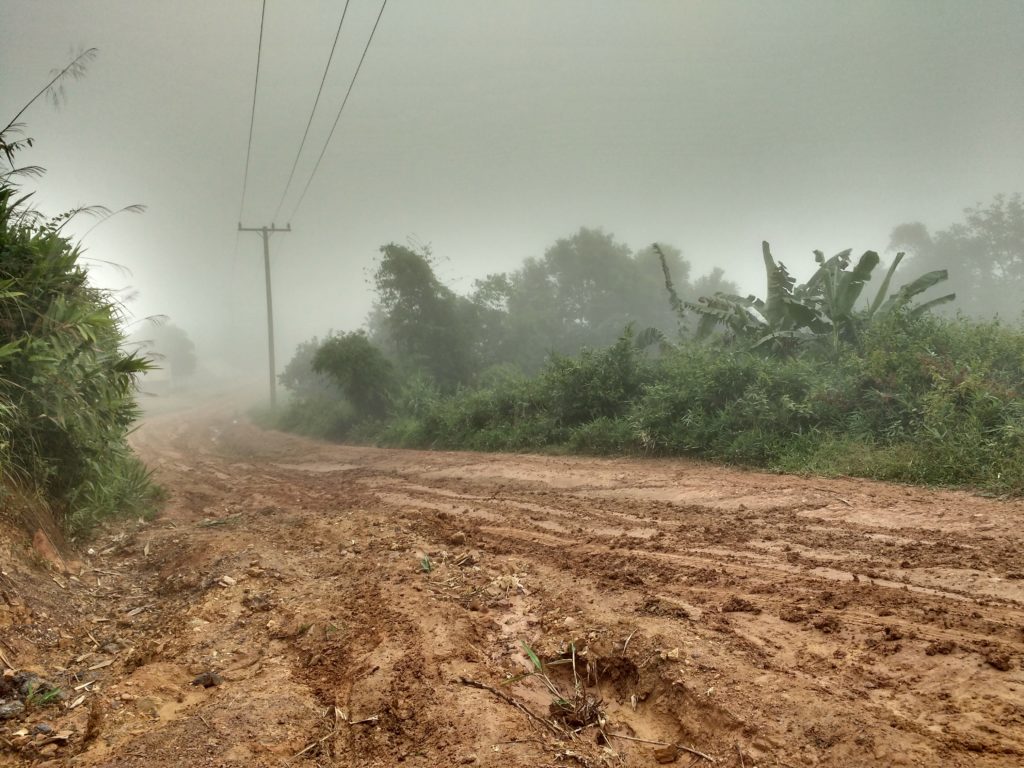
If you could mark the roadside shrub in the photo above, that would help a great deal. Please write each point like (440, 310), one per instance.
(731, 404)
(324, 415)
(340, 388)
(362, 372)
(67, 385)
(603, 436)
(298, 376)
(596, 384)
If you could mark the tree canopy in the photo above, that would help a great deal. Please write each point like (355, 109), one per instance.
(984, 255)
(581, 293)
(360, 369)
(420, 320)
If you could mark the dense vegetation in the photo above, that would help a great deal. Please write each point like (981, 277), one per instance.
(67, 385)
(596, 349)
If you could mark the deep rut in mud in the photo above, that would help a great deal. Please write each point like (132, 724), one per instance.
(365, 607)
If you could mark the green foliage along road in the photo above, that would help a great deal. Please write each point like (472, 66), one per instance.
(67, 386)
(814, 377)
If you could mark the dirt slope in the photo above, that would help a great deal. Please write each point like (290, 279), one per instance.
(365, 607)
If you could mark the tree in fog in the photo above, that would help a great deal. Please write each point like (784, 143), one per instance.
(422, 322)
(984, 255)
(713, 282)
(170, 347)
(298, 376)
(360, 369)
(582, 292)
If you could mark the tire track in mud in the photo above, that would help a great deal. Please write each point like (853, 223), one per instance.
(877, 631)
(759, 619)
(656, 549)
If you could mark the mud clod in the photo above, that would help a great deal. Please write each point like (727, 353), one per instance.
(827, 623)
(737, 604)
(208, 680)
(999, 659)
(940, 647)
(669, 754)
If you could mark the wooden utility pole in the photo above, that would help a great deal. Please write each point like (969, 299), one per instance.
(266, 232)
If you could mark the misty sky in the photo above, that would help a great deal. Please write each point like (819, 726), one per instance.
(488, 129)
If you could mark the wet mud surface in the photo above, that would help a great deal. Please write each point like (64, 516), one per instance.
(364, 607)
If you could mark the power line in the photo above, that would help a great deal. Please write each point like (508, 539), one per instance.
(340, 110)
(302, 144)
(252, 118)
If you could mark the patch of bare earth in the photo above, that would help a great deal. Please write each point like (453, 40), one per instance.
(362, 607)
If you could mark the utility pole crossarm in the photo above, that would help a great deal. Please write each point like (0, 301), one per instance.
(270, 230)
(266, 232)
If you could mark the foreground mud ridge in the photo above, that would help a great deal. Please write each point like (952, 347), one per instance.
(307, 604)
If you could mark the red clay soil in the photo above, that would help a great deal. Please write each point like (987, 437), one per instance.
(299, 603)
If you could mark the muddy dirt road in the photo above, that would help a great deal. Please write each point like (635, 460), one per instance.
(362, 607)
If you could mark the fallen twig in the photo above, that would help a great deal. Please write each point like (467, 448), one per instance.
(833, 493)
(370, 719)
(8, 647)
(692, 751)
(625, 645)
(316, 743)
(509, 700)
(210, 523)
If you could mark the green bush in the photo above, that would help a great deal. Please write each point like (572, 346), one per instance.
(67, 386)
(365, 376)
(324, 415)
(594, 385)
(604, 436)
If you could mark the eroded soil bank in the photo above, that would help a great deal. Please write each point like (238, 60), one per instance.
(363, 607)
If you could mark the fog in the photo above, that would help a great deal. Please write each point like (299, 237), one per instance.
(488, 130)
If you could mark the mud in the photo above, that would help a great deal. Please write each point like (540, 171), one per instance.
(363, 607)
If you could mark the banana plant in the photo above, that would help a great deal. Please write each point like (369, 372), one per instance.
(821, 311)
(901, 299)
(779, 322)
(650, 337)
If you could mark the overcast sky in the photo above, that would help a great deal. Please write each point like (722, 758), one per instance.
(488, 129)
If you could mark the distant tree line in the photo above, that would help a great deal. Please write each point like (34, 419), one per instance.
(984, 255)
(580, 294)
(597, 348)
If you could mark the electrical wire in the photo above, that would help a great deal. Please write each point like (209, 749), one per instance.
(252, 118)
(309, 122)
(340, 110)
